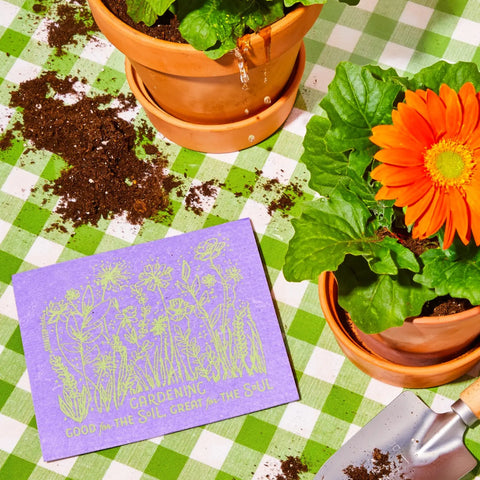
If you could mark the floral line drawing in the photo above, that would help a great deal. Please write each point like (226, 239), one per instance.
(126, 333)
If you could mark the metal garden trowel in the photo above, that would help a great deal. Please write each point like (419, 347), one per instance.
(408, 441)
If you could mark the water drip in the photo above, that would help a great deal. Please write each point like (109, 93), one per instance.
(267, 100)
(266, 34)
(251, 138)
(242, 68)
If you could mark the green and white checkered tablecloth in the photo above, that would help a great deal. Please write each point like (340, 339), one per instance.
(336, 398)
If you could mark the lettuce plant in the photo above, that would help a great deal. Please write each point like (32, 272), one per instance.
(214, 26)
(394, 160)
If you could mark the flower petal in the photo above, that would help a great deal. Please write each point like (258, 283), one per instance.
(454, 110)
(436, 113)
(471, 109)
(434, 218)
(449, 231)
(475, 225)
(397, 176)
(408, 196)
(389, 136)
(415, 210)
(416, 125)
(400, 156)
(417, 101)
(460, 215)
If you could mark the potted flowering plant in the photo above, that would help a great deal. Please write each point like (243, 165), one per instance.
(235, 80)
(396, 164)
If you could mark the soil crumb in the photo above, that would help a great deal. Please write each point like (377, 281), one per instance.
(292, 467)
(103, 177)
(382, 468)
(166, 27)
(70, 22)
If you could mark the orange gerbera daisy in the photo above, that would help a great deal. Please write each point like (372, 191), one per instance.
(430, 160)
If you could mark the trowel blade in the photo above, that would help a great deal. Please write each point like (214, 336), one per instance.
(406, 441)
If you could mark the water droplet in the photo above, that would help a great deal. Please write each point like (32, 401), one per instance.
(247, 111)
(267, 100)
(242, 68)
(251, 138)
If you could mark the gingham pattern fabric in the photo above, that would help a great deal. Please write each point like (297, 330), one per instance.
(336, 398)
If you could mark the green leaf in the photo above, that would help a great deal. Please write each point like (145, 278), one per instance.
(215, 25)
(329, 229)
(356, 101)
(454, 75)
(455, 272)
(330, 170)
(327, 169)
(140, 11)
(263, 13)
(376, 302)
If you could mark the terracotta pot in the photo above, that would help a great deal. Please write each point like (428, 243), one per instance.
(408, 369)
(186, 84)
(224, 137)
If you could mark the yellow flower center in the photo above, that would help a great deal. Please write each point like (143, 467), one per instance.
(449, 163)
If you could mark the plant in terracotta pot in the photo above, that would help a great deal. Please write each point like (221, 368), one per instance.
(396, 164)
(233, 82)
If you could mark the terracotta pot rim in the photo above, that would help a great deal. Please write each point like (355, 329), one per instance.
(253, 38)
(445, 319)
(366, 356)
(147, 101)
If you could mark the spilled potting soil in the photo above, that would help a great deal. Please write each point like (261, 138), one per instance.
(383, 467)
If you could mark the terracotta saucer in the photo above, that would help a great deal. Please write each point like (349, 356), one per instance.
(221, 138)
(372, 364)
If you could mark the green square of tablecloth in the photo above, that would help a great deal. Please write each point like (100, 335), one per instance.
(6, 390)
(433, 43)
(62, 64)
(109, 81)
(10, 265)
(53, 167)
(166, 464)
(273, 252)
(32, 218)
(316, 454)
(13, 42)
(380, 26)
(213, 220)
(187, 162)
(455, 7)
(85, 240)
(14, 343)
(342, 403)
(256, 434)
(307, 327)
(16, 468)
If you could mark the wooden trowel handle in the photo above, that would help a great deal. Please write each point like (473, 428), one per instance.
(471, 396)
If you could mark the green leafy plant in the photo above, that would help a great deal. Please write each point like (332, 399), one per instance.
(214, 26)
(359, 227)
